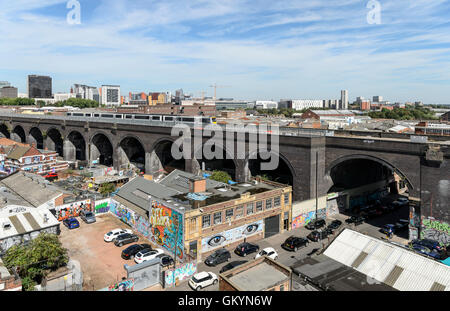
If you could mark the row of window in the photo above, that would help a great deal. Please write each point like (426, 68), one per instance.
(238, 212)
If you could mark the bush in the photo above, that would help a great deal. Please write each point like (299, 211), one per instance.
(220, 176)
(33, 261)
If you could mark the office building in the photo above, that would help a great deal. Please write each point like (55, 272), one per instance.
(8, 92)
(39, 86)
(110, 95)
(344, 100)
(377, 99)
(266, 104)
(300, 104)
(86, 92)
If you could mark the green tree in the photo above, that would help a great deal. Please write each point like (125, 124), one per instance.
(220, 176)
(35, 260)
(106, 189)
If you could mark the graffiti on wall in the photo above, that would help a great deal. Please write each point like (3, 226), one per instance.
(231, 236)
(122, 286)
(72, 209)
(332, 207)
(435, 230)
(167, 228)
(102, 206)
(304, 219)
(7, 243)
(182, 273)
(128, 216)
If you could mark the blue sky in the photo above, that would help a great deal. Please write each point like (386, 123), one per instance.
(260, 49)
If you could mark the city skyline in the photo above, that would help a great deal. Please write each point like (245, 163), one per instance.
(260, 49)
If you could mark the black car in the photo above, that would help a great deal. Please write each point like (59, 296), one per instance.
(231, 265)
(125, 238)
(431, 244)
(293, 243)
(316, 236)
(356, 220)
(130, 251)
(335, 224)
(316, 224)
(166, 260)
(218, 257)
(246, 248)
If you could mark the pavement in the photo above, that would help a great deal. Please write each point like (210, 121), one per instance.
(288, 259)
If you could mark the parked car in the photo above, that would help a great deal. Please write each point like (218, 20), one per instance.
(246, 248)
(71, 223)
(395, 205)
(293, 243)
(219, 256)
(51, 176)
(316, 224)
(428, 243)
(335, 224)
(356, 220)
(131, 251)
(111, 235)
(165, 260)
(269, 252)
(316, 236)
(147, 255)
(125, 238)
(401, 224)
(202, 280)
(382, 209)
(87, 216)
(427, 251)
(232, 265)
(403, 200)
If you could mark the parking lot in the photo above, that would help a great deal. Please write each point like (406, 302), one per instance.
(370, 227)
(101, 262)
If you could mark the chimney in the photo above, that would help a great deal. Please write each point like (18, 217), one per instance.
(197, 184)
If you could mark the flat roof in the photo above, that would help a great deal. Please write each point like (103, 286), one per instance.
(258, 278)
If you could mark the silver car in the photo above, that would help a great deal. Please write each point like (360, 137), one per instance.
(87, 216)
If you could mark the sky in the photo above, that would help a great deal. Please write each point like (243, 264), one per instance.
(254, 49)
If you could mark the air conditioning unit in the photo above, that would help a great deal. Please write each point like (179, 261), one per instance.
(45, 218)
(6, 226)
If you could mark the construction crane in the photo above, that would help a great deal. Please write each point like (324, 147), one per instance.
(215, 86)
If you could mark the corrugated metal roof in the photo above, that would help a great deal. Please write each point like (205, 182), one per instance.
(398, 267)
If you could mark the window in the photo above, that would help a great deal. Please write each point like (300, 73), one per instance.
(217, 218)
(268, 203)
(259, 206)
(286, 198)
(249, 208)
(229, 213)
(193, 225)
(206, 221)
(239, 211)
(276, 201)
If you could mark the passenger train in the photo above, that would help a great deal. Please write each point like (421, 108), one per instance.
(149, 117)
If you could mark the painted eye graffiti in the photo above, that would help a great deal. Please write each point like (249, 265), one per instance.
(251, 229)
(217, 240)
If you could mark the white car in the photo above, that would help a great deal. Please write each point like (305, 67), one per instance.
(202, 280)
(269, 252)
(113, 234)
(147, 255)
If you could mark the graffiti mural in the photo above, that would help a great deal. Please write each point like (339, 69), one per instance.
(102, 206)
(122, 212)
(231, 236)
(167, 228)
(182, 273)
(72, 209)
(123, 286)
(304, 219)
(435, 230)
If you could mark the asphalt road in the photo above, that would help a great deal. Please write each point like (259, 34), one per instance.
(287, 258)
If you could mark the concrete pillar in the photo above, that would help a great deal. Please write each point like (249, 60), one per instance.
(120, 159)
(242, 171)
(70, 152)
(16, 137)
(154, 163)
